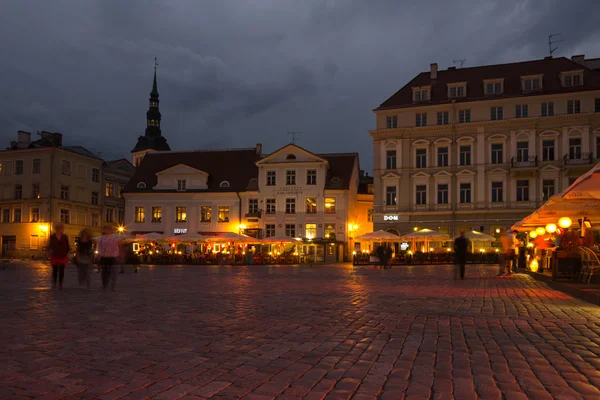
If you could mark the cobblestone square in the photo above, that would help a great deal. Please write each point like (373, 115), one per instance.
(322, 332)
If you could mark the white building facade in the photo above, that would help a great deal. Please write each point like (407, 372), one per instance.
(480, 148)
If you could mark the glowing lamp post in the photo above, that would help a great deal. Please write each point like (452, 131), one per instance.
(565, 222)
(551, 228)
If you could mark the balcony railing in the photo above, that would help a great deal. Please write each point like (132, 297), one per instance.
(524, 162)
(578, 159)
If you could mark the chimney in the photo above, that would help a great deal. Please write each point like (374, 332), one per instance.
(23, 139)
(433, 71)
(258, 149)
(579, 58)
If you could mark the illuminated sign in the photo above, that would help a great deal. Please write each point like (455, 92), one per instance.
(390, 218)
(179, 230)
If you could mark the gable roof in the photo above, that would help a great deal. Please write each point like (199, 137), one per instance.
(293, 146)
(235, 166)
(341, 166)
(512, 73)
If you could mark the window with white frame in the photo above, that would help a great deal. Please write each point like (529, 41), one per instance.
(64, 192)
(547, 109)
(391, 122)
(442, 156)
(390, 159)
(522, 151)
(464, 116)
(205, 213)
(421, 119)
(95, 198)
(573, 106)
(548, 150)
(6, 215)
(390, 195)
(290, 206)
(522, 190)
(65, 167)
(465, 154)
(270, 206)
(223, 214)
(457, 90)
(110, 215)
(497, 153)
(140, 215)
(574, 78)
(330, 205)
(575, 148)
(496, 113)
(421, 194)
(421, 158)
(493, 88)
(311, 205)
(442, 193)
(181, 184)
(269, 230)
(253, 206)
(531, 83)
(521, 111)
(420, 94)
(497, 192)
(109, 190)
(290, 230)
(157, 214)
(290, 177)
(17, 215)
(65, 216)
(310, 231)
(548, 188)
(271, 178)
(180, 214)
(465, 192)
(311, 177)
(35, 214)
(442, 118)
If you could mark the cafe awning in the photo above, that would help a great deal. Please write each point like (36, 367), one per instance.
(426, 234)
(378, 236)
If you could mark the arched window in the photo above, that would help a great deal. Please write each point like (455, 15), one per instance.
(141, 185)
(336, 181)
(224, 184)
(290, 157)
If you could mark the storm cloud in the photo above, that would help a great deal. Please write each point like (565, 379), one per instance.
(236, 72)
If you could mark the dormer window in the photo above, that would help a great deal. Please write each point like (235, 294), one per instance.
(224, 184)
(530, 83)
(290, 157)
(493, 86)
(572, 78)
(141, 185)
(420, 94)
(181, 184)
(457, 90)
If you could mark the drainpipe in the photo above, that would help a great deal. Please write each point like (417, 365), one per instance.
(50, 197)
(239, 210)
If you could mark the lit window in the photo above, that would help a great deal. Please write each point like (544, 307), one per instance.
(329, 205)
(311, 205)
(156, 214)
(35, 214)
(35, 191)
(180, 214)
(330, 231)
(311, 231)
(223, 214)
(140, 215)
(109, 189)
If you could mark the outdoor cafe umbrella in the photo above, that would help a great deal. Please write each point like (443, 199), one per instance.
(586, 187)
(425, 235)
(150, 237)
(188, 237)
(232, 237)
(120, 236)
(277, 239)
(475, 236)
(378, 236)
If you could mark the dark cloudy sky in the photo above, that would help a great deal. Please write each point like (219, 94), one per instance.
(236, 72)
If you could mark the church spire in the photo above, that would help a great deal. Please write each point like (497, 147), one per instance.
(153, 114)
(152, 139)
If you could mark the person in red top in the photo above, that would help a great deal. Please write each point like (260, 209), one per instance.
(59, 254)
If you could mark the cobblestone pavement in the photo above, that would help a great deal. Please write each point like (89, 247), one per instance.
(333, 332)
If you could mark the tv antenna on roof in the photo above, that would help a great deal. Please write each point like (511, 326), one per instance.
(553, 42)
(294, 135)
(462, 62)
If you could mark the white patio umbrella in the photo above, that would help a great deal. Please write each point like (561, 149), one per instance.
(586, 187)
(425, 235)
(150, 237)
(378, 236)
(188, 237)
(232, 237)
(120, 236)
(277, 239)
(475, 236)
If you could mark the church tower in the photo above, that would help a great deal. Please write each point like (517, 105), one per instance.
(152, 139)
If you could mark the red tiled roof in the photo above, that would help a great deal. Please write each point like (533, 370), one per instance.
(235, 166)
(474, 76)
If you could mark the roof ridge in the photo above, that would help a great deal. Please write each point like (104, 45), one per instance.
(201, 151)
(504, 64)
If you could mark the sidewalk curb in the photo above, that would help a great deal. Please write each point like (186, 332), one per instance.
(579, 292)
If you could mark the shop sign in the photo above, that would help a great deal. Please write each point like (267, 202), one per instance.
(289, 190)
(390, 218)
(179, 230)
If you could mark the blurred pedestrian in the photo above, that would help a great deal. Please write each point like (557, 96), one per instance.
(505, 262)
(59, 254)
(461, 246)
(83, 258)
(108, 251)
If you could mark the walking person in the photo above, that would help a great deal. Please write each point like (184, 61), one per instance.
(59, 254)
(461, 245)
(108, 251)
(83, 258)
(505, 262)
